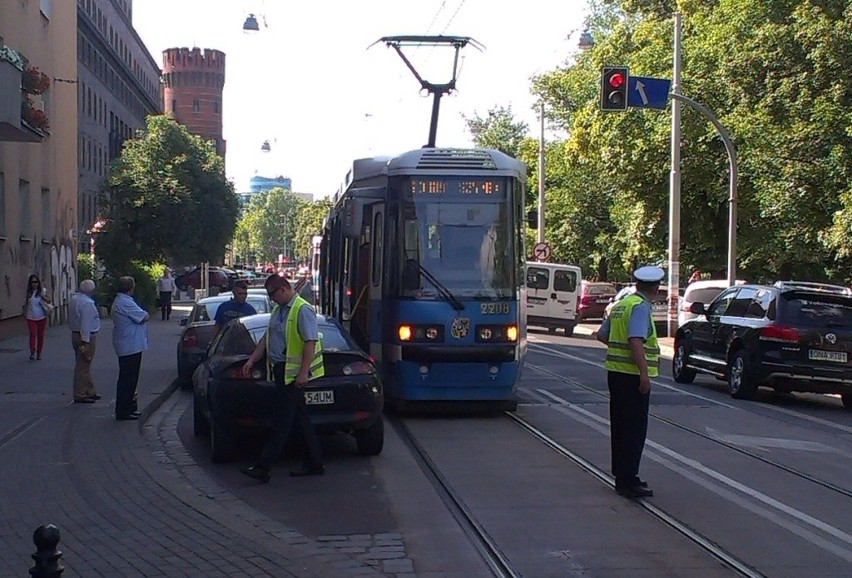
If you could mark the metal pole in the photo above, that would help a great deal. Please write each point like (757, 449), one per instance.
(540, 237)
(674, 197)
(732, 182)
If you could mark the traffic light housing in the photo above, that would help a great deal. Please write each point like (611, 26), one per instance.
(614, 87)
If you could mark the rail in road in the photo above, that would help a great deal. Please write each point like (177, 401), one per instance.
(766, 483)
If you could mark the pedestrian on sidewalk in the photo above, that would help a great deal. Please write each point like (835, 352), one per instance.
(166, 287)
(130, 339)
(293, 356)
(632, 359)
(234, 308)
(36, 309)
(84, 323)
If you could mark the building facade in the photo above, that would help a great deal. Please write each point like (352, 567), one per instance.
(193, 81)
(38, 151)
(119, 86)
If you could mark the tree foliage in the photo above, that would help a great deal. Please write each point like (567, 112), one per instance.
(309, 222)
(774, 73)
(498, 130)
(166, 199)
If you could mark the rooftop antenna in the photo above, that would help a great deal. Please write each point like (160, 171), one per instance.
(437, 90)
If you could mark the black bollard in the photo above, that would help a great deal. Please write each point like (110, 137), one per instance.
(46, 557)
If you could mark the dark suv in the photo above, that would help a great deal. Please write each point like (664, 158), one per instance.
(790, 336)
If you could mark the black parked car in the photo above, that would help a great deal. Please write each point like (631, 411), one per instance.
(790, 336)
(347, 398)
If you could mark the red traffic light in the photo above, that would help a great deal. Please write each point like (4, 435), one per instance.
(616, 79)
(614, 83)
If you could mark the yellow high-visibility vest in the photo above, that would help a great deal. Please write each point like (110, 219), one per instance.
(618, 356)
(295, 345)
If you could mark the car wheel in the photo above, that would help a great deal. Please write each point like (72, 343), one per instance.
(846, 398)
(221, 444)
(371, 440)
(200, 425)
(740, 383)
(569, 330)
(680, 372)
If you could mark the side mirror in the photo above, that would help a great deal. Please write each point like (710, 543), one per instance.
(698, 308)
(183, 321)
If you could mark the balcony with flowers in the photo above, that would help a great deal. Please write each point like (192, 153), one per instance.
(22, 118)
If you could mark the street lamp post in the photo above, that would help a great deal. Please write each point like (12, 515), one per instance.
(674, 190)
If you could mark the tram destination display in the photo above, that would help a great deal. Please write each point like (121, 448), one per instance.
(456, 186)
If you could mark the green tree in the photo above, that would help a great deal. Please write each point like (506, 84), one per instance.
(166, 199)
(270, 223)
(498, 129)
(309, 223)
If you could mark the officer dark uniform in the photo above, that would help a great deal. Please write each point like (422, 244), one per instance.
(632, 359)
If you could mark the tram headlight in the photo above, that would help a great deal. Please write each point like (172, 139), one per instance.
(512, 333)
(485, 334)
(432, 333)
(405, 332)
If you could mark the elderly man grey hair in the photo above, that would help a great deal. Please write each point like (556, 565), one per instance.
(87, 287)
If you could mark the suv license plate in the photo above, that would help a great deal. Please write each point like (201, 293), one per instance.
(324, 397)
(820, 355)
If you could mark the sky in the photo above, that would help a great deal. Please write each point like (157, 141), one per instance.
(307, 82)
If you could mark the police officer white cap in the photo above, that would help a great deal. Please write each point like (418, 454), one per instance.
(649, 274)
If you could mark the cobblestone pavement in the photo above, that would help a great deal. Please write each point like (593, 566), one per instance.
(126, 496)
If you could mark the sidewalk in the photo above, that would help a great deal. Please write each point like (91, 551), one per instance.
(122, 505)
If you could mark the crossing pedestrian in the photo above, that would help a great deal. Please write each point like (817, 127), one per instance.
(36, 309)
(293, 356)
(130, 339)
(84, 323)
(632, 359)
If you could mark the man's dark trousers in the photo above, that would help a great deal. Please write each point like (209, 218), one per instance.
(288, 413)
(166, 304)
(128, 378)
(628, 417)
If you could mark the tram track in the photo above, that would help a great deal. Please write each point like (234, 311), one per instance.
(691, 534)
(496, 561)
(785, 468)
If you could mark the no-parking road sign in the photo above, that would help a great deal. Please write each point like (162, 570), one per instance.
(542, 252)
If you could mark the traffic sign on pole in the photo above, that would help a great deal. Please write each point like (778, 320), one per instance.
(645, 92)
(542, 252)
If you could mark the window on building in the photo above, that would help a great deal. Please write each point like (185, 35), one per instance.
(174, 105)
(46, 215)
(196, 105)
(217, 107)
(25, 204)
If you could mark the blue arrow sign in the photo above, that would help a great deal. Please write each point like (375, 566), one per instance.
(645, 92)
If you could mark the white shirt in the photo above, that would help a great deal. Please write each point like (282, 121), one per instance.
(35, 311)
(83, 316)
(166, 284)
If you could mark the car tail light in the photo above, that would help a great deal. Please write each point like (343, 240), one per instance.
(777, 332)
(358, 368)
(236, 372)
(190, 339)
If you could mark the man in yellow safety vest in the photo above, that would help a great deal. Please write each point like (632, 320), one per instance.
(632, 359)
(293, 356)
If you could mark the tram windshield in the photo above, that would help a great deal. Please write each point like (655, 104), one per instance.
(464, 241)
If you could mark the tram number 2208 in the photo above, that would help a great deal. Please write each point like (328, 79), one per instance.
(494, 308)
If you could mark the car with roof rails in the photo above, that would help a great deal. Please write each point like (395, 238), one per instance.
(791, 336)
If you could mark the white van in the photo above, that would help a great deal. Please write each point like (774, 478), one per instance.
(551, 294)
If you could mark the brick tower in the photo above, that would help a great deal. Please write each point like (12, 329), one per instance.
(193, 80)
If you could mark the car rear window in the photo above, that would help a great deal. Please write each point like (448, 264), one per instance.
(816, 311)
(331, 337)
(705, 295)
(600, 289)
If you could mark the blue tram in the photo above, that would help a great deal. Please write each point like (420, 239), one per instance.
(423, 260)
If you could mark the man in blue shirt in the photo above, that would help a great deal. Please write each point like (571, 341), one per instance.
(84, 323)
(130, 339)
(236, 307)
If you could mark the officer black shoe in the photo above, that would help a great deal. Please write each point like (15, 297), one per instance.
(258, 473)
(634, 492)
